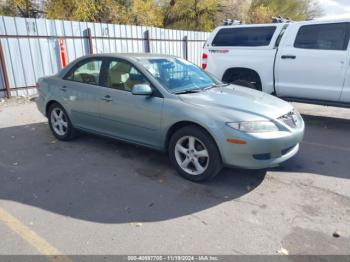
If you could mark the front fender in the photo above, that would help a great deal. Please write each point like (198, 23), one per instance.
(191, 115)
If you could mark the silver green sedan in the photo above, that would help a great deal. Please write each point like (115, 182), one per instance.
(168, 104)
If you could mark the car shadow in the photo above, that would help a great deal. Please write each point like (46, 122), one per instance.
(325, 149)
(106, 181)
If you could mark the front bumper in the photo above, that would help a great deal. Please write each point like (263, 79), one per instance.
(261, 151)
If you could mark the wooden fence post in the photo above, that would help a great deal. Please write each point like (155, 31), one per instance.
(185, 47)
(4, 72)
(89, 35)
(147, 42)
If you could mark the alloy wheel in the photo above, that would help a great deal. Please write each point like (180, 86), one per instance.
(192, 155)
(59, 121)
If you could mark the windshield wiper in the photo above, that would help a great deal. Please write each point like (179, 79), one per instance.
(215, 86)
(192, 91)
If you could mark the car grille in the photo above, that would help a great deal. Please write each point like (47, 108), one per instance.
(291, 119)
(265, 156)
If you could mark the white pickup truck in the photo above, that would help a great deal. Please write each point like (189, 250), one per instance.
(301, 61)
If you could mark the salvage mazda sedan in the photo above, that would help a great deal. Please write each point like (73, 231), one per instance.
(169, 104)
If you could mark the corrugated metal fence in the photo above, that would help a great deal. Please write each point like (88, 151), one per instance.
(29, 48)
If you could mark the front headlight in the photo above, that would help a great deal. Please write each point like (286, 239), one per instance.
(254, 126)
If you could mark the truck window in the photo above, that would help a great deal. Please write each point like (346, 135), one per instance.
(244, 36)
(325, 37)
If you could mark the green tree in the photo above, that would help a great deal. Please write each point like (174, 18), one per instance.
(261, 11)
(24, 8)
(260, 14)
(106, 11)
(145, 12)
(192, 14)
(233, 9)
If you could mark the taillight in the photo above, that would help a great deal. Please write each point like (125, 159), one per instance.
(204, 61)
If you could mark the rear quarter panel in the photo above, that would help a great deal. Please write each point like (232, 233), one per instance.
(260, 60)
(49, 91)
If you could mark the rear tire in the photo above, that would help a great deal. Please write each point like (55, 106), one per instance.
(60, 123)
(194, 154)
(246, 78)
(245, 83)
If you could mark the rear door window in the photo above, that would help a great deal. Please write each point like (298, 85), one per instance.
(244, 36)
(87, 72)
(324, 37)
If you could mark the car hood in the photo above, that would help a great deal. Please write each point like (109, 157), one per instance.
(232, 99)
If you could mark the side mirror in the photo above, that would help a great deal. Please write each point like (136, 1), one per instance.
(142, 90)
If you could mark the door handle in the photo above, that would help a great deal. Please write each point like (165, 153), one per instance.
(288, 57)
(64, 88)
(107, 98)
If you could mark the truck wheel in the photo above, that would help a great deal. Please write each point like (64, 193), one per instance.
(246, 78)
(245, 83)
(194, 154)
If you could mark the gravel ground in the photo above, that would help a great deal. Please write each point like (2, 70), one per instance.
(99, 196)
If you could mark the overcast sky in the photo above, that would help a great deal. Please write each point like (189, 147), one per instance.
(335, 8)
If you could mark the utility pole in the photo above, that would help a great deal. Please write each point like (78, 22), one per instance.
(27, 8)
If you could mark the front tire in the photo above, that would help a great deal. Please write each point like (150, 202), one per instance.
(194, 154)
(60, 123)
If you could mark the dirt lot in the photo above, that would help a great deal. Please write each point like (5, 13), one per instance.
(98, 196)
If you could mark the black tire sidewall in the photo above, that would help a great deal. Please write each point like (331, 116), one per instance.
(245, 83)
(215, 163)
(70, 134)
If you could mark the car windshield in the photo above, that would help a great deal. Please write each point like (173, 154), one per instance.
(178, 75)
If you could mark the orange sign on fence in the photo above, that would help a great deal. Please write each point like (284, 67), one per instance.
(63, 53)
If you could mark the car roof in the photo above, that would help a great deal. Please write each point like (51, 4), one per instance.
(251, 25)
(307, 22)
(133, 56)
(324, 21)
